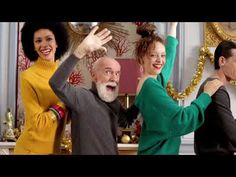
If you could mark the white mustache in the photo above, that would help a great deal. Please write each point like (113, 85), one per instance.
(113, 84)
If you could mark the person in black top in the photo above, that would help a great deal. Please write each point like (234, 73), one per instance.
(217, 136)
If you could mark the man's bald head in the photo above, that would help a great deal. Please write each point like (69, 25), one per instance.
(106, 75)
(104, 62)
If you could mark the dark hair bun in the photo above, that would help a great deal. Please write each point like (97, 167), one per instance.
(146, 30)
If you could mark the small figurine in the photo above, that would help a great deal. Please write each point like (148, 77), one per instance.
(9, 132)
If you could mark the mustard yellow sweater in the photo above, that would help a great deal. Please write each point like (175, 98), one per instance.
(42, 133)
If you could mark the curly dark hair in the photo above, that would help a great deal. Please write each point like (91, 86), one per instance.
(148, 37)
(58, 29)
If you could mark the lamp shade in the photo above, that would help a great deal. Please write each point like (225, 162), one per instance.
(130, 72)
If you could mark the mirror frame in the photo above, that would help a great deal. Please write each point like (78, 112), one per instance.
(221, 32)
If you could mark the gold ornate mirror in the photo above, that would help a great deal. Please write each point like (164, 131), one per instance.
(225, 30)
(215, 32)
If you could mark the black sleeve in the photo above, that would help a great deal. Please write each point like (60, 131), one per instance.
(225, 118)
(127, 116)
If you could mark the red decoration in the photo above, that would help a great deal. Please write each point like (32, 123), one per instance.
(137, 128)
(23, 62)
(121, 46)
(92, 57)
(76, 78)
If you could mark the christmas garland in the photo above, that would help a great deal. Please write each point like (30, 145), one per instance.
(204, 53)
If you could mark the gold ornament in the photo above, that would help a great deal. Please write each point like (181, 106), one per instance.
(66, 143)
(125, 139)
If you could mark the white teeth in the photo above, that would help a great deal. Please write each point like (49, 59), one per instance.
(157, 65)
(45, 52)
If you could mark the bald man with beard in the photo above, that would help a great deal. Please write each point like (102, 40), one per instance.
(96, 113)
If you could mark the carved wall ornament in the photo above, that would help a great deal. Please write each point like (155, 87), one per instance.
(211, 37)
(215, 32)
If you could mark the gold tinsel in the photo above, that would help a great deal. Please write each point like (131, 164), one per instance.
(204, 53)
(66, 145)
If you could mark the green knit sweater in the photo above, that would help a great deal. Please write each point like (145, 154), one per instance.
(164, 120)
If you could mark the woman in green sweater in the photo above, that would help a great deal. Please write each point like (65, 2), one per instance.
(164, 121)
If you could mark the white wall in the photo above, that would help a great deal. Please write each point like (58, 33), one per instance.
(3, 75)
(193, 41)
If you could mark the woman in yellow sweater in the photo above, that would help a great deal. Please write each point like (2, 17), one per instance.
(44, 43)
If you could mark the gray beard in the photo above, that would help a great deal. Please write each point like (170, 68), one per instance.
(104, 95)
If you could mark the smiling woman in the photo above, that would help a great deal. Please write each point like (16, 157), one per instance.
(43, 43)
